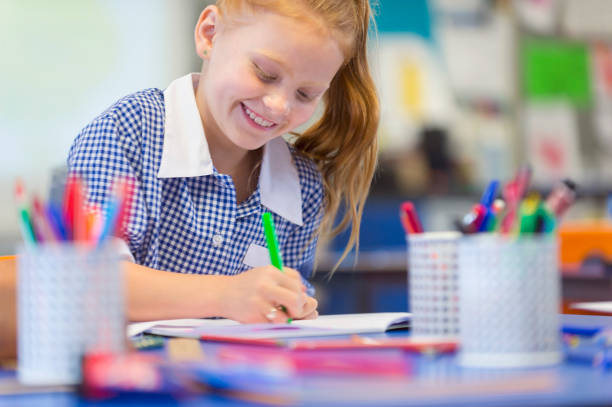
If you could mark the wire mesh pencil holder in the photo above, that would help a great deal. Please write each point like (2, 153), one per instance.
(70, 301)
(509, 293)
(433, 284)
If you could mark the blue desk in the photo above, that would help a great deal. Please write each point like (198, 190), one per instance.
(436, 382)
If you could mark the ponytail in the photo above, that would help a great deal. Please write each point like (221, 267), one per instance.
(343, 142)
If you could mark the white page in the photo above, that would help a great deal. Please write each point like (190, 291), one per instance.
(324, 325)
(364, 323)
(176, 325)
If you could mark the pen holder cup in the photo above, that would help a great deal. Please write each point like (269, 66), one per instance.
(433, 284)
(509, 292)
(69, 302)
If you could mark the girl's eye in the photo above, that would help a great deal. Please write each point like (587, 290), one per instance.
(265, 77)
(303, 95)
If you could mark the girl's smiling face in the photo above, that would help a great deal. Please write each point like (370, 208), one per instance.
(264, 77)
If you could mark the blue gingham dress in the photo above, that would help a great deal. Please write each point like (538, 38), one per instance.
(174, 223)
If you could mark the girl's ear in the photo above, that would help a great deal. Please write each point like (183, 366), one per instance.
(205, 31)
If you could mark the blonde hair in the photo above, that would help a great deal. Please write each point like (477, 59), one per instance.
(343, 141)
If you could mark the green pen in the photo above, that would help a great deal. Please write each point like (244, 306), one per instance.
(546, 221)
(275, 256)
(529, 214)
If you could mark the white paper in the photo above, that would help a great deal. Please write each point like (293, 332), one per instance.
(339, 324)
(176, 325)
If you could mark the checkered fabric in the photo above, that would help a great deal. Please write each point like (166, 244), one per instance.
(188, 225)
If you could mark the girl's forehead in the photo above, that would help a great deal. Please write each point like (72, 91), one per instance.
(296, 46)
(306, 24)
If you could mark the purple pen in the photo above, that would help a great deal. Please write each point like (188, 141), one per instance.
(561, 197)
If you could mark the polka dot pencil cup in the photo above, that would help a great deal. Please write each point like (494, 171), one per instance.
(433, 285)
(70, 301)
(509, 301)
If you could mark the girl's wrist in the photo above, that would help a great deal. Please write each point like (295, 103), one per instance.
(214, 303)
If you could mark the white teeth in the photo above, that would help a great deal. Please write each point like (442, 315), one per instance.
(257, 119)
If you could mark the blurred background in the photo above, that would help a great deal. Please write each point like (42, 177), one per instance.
(470, 90)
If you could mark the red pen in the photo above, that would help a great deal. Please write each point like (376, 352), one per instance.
(474, 219)
(513, 192)
(73, 209)
(410, 218)
(125, 191)
(41, 222)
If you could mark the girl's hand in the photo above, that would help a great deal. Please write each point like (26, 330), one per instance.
(310, 309)
(258, 294)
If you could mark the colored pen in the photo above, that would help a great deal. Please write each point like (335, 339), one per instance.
(529, 213)
(561, 197)
(410, 218)
(487, 202)
(41, 222)
(125, 190)
(473, 220)
(513, 193)
(275, 256)
(56, 221)
(545, 220)
(497, 209)
(111, 214)
(73, 210)
(25, 221)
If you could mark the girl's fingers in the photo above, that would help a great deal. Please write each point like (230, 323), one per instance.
(310, 306)
(290, 279)
(293, 302)
(313, 315)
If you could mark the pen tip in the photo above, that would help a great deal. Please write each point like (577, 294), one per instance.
(19, 189)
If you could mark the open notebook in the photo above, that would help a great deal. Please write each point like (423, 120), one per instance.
(324, 325)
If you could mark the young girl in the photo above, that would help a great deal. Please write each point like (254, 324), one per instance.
(209, 158)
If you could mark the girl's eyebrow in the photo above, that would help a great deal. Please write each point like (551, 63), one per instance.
(284, 66)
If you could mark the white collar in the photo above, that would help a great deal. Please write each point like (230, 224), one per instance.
(185, 153)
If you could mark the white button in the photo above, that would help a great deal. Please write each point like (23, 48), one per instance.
(217, 240)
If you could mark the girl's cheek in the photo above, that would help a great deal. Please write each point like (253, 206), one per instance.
(302, 115)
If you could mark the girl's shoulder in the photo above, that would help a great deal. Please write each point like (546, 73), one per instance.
(310, 177)
(147, 102)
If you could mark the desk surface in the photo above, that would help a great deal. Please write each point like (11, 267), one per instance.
(436, 382)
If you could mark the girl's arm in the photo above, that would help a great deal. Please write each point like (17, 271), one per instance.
(247, 297)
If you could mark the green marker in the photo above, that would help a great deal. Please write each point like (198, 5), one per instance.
(529, 214)
(275, 256)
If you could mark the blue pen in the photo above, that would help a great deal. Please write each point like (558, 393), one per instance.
(54, 216)
(110, 219)
(486, 200)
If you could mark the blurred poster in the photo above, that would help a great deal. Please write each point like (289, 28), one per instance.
(602, 112)
(587, 18)
(551, 139)
(477, 50)
(539, 16)
(486, 145)
(413, 90)
(554, 70)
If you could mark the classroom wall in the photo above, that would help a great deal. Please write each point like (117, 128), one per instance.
(66, 61)
(456, 81)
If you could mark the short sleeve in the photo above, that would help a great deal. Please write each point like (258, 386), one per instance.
(106, 150)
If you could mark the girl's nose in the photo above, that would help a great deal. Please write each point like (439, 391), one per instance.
(277, 103)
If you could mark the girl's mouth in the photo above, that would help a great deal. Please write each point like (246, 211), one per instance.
(255, 119)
